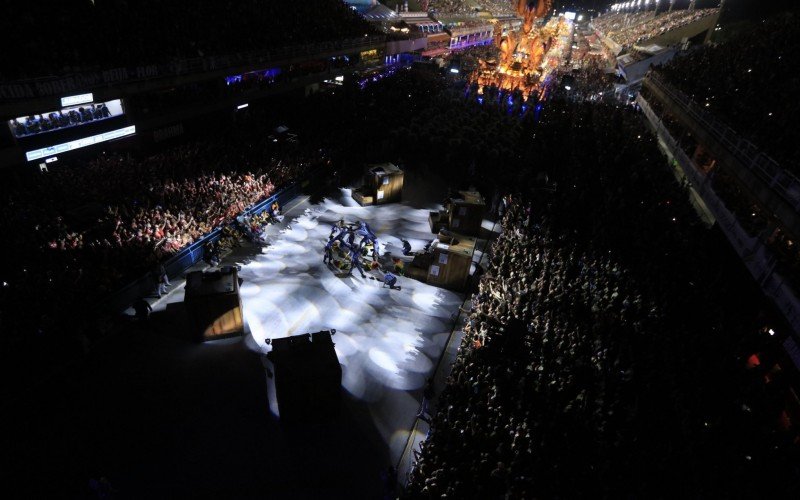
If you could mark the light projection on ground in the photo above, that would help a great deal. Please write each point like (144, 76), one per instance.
(388, 341)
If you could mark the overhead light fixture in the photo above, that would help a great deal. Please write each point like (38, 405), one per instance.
(76, 99)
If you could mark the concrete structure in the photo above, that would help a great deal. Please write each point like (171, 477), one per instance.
(777, 191)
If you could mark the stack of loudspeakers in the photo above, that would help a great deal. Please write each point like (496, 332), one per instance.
(213, 303)
(308, 377)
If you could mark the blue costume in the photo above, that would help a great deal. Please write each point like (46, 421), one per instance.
(368, 236)
(389, 279)
(338, 232)
(355, 260)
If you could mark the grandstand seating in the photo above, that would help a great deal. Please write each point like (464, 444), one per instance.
(495, 7)
(566, 350)
(603, 348)
(748, 82)
(628, 30)
(65, 36)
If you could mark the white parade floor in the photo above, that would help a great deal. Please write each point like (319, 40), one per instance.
(387, 341)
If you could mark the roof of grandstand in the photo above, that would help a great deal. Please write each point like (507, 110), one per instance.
(378, 12)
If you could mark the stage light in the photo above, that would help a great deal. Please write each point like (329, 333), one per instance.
(76, 99)
(242, 106)
(454, 70)
(80, 143)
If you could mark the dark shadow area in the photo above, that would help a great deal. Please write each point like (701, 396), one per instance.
(172, 322)
(162, 417)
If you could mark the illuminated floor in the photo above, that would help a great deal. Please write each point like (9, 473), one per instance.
(388, 341)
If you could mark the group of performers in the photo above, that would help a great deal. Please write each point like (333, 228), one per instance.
(344, 237)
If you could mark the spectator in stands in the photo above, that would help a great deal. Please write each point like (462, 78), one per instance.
(427, 397)
(758, 65)
(160, 277)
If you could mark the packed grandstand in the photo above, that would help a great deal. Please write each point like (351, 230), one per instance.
(629, 30)
(613, 338)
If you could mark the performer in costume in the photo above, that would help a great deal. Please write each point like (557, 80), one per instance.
(351, 237)
(328, 250)
(391, 280)
(367, 235)
(355, 260)
(338, 232)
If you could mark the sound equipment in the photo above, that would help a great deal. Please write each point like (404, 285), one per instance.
(308, 377)
(213, 304)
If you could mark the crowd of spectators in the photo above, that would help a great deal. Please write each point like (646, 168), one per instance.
(602, 341)
(616, 21)
(83, 229)
(605, 346)
(450, 6)
(601, 350)
(757, 221)
(114, 33)
(628, 32)
(495, 7)
(745, 82)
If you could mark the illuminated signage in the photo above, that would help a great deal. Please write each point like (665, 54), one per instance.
(80, 143)
(76, 99)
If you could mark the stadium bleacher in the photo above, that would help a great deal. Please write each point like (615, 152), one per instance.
(748, 81)
(604, 347)
(628, 30)
(54, 37)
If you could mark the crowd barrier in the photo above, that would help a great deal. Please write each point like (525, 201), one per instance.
(189, 256)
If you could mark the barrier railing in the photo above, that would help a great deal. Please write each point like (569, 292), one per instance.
(190, 255)
(758, 259)
(86, 80)
(783, 183)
